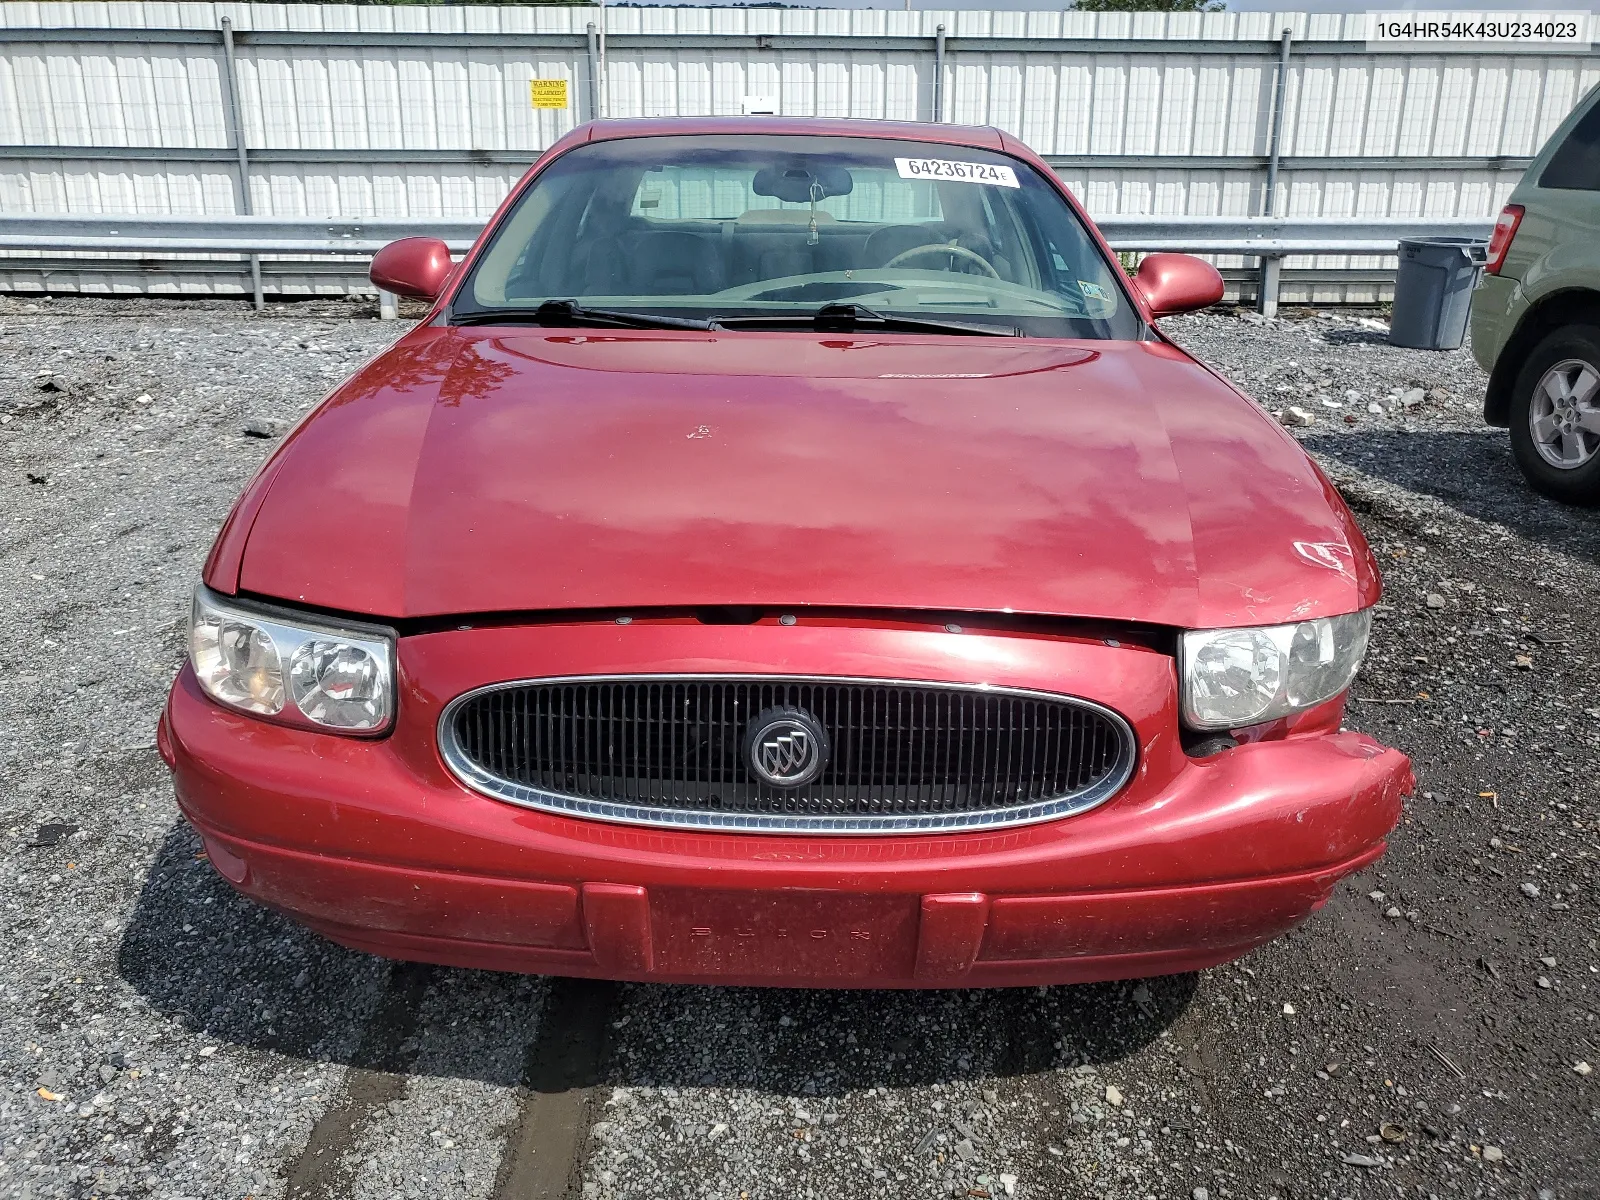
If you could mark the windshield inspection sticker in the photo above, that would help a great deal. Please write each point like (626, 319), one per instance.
(957, 172)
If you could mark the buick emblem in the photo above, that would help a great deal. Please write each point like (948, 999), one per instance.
(785, 747)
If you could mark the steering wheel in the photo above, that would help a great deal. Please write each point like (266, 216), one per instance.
(944, 248)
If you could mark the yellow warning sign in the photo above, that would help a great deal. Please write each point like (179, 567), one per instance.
(548, 93)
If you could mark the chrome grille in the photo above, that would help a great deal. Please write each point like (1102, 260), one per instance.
(904, 756)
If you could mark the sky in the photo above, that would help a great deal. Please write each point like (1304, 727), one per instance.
(1433, 6)
(1261, 5)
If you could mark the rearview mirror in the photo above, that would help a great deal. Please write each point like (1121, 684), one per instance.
(417, 266)
(1177, 283)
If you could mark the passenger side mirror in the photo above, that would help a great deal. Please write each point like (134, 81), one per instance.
(417, 266)
(1177, 283)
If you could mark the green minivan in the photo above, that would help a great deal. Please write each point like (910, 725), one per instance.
(1536, 317)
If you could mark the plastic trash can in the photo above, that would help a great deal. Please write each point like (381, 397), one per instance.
(1433, 291)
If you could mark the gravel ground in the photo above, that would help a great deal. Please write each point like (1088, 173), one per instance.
(158, 1037)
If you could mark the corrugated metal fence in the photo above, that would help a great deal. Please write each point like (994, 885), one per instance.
(390, 112)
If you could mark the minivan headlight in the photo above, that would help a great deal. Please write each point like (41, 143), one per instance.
(276, 664)
(1231, 678)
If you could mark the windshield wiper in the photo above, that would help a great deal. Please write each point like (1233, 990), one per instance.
(842, 318)
(848, 318)
(571, 313)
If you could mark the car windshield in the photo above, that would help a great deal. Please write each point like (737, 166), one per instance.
(767, 230)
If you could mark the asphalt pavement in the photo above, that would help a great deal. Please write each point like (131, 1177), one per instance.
(1433, 1032)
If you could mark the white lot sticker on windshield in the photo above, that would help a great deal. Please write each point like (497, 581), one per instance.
(956, 172)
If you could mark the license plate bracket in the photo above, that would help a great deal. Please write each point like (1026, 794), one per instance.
(805, 934)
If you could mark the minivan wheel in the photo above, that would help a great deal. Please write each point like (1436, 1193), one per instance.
(1555, 416)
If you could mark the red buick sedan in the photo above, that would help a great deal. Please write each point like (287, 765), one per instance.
(787, 553)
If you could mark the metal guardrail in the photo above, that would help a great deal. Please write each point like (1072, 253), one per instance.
(1267, 237)
(104, 234)
(1275, 237)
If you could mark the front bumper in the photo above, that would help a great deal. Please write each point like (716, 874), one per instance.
(376, 845)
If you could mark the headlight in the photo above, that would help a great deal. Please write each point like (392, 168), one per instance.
(1232, 678)
(337, 677)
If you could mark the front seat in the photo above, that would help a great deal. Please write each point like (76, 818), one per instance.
(671, 263)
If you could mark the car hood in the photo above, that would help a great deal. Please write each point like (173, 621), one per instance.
(478, 471)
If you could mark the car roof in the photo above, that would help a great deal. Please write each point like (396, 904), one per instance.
(916, 131)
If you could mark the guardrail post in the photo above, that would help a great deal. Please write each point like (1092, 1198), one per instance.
(1271, 268)
(1267, 287)
(938, 73)
(388, 305)
(230, 81)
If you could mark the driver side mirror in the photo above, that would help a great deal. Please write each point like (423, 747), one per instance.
(416, 266)
(1177, 283)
